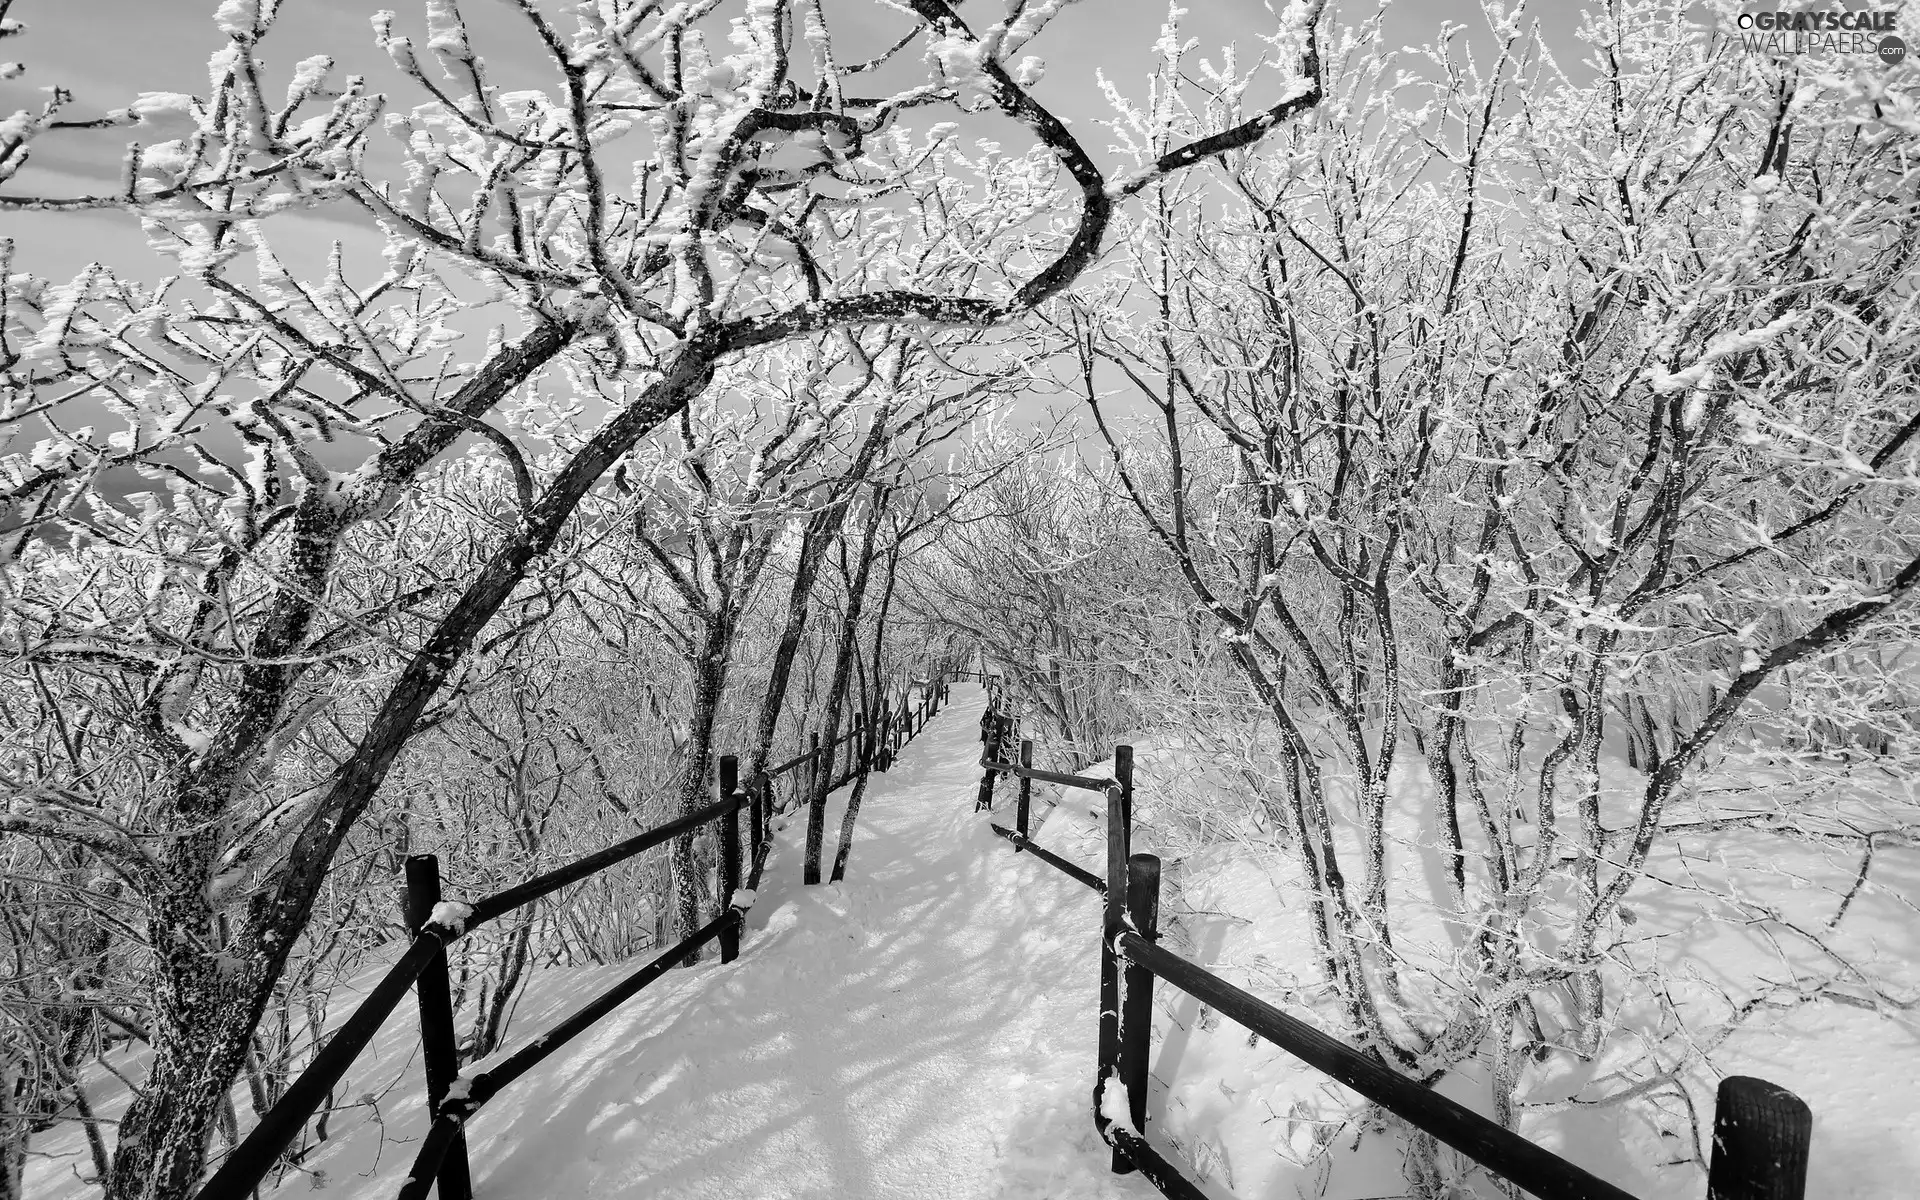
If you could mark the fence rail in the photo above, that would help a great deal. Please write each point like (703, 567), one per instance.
(1022, 842)
(1493, 1146)
(1761, 1131)
(451, 1116)
(422, 966)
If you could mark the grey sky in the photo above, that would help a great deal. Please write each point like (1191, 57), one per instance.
(108, 51)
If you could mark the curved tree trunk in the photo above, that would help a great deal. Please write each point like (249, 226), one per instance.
(209, 996)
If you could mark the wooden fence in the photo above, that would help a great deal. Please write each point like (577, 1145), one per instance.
(1761, 1131)
(436, 924)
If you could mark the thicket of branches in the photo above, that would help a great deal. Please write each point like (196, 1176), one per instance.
(277, 548)
(1481, 470)
(1490, 472)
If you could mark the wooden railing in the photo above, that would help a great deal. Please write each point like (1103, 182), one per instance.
(437, 924)
(1761, 1131)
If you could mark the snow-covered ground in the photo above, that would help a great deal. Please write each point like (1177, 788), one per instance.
(926, 1029)
(1250, 1122)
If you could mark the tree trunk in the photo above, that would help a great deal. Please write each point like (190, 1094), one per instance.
(208, 997)
(492, 1020)
(709, 682)
(822, 529)
(837, 689)
(13, 1128)
(814, 542)
(872, 717)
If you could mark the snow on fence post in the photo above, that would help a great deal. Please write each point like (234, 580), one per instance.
(1026, 787)
(816, 815)
(729, 854)
(439, 1055)
(1761, 1133)
(1136, 996)
(1119, 840)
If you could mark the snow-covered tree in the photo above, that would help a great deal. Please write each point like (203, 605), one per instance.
(693, 183)
(1498, 408)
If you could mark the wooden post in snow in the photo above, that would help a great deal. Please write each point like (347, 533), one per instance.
(1026, 788)
(816, 815)
(1119, 839)
(729, 855)
(1136, 1003)
(439, 1056)
(1761, 1135)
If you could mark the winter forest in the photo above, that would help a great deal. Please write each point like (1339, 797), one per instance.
(1471, 459)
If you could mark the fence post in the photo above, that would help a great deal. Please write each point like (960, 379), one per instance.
(729, 855)
(440, 1057)
(1026, 788)
(1136, 1003)
(816, 816)
(1761, 1133)
(1119, 839)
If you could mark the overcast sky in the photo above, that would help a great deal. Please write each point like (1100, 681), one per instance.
(108, 51)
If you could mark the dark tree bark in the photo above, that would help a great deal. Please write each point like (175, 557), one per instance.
(207, 1001)
(870, 710)
(849, 646)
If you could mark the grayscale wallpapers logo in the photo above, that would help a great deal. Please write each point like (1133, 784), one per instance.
(1778, 31)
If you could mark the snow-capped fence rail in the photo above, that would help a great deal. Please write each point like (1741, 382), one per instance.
(1761, 1131)
(436, 924)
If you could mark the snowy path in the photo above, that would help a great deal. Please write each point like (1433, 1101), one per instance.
(925, 1029)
